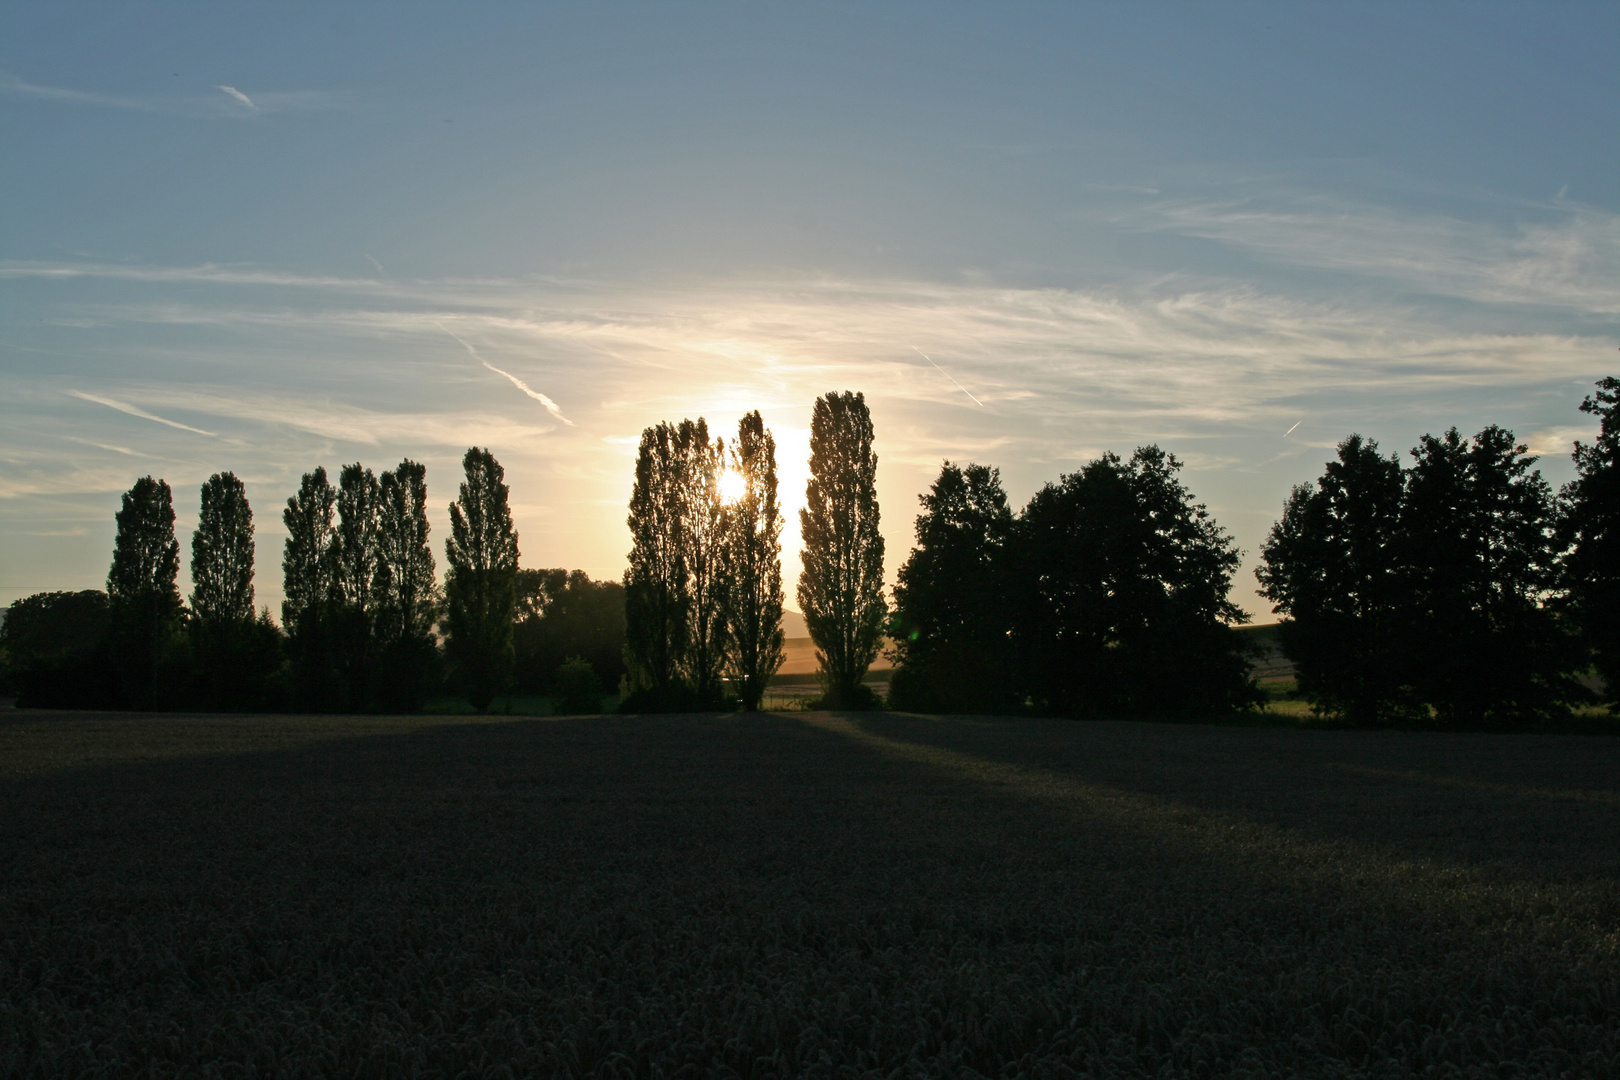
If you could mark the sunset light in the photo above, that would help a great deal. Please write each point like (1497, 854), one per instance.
(733, 486)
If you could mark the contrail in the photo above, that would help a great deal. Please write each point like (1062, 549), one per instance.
(133, 411)
(239, 96)
(551, 406)
(380, 270)
(947, 374)
(1290, 431)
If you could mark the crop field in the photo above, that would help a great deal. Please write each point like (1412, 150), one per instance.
(802, 894)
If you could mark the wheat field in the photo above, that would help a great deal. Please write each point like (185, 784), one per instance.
(801, 895)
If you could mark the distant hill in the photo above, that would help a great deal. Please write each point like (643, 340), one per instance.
(793, 625)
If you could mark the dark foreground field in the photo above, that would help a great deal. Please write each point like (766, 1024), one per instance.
(806, 895)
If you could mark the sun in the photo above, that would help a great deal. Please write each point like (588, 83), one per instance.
(733, 486)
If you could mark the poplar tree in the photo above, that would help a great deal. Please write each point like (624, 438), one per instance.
(355, 555)
(841, 586)
(704, 541)
(308, 565)
(751, 565)
(1593, 527)
(354, 609)
(406, 593)
(655, 582)
(406, 596)
(306, 559)
(481, 584)
(222, 554)
(143, 602)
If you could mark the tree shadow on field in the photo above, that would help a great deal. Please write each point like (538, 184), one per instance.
(1541, 805)
(1479, 849)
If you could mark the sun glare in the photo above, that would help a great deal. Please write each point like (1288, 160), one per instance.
(733, 486)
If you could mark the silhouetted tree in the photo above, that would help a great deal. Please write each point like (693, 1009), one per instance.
(563, 614)
(406, 597)
(308, 564)
(951, 620)
(222, 554)
(55, 651)
(235, 654)
(480, 587)
(841, 585)
(356, 562)
(1333, 566)
(703, 543)
(1593, 527)
(143, 602)
(751, 564)
(1478, 536)
(656, 593)
(1121, 585)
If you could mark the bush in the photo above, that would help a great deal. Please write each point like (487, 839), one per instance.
(579, 690)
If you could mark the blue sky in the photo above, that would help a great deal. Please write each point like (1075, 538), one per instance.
(1196, 225)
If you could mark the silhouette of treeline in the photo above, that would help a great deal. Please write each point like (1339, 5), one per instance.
(1106, 595)
(1458, 590)
(365, 624)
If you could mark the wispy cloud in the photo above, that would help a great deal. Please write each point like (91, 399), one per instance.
(238, 95)
(263, 103)
(208, 273)
(12, 86)
(1562, 256)
(107, 446)
(134, 410)
(551, 406)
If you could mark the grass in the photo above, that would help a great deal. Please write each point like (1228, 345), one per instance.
(806, 895)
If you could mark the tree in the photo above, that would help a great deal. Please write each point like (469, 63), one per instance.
(951, 621)
(355, 569)
(1478, 536)
(703, 546)
(563, 614)
(222, 554)
(55, 649)
(235, 653)
(1121, 587)
(1333, 566)
(1592, 527)
(308, 566)
(143, 602)
(480, 587)
(406, 597)
(841, 585)
(751, 564)
(656, 594)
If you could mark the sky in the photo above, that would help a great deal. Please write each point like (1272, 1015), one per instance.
(263, 238)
